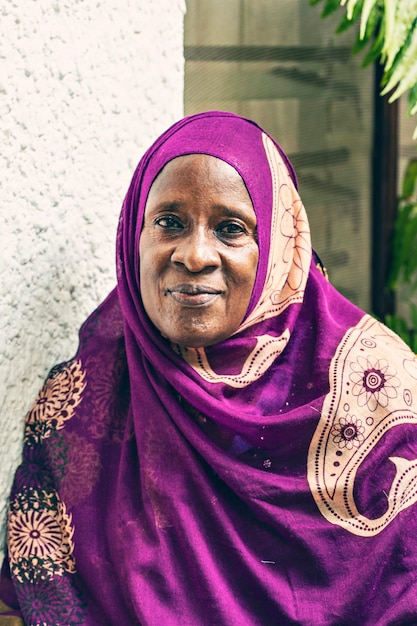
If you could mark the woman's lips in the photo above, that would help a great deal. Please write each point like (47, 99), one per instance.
(193, 295)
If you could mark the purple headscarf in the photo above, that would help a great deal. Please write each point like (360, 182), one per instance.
(245, 483)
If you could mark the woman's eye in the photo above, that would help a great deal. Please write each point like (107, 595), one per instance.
(231, 228)
(169, 222)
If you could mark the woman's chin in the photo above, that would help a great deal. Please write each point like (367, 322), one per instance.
(196, 339)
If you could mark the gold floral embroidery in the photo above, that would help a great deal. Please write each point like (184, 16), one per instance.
(374, 382)
(290, 247)
(370, 369)
(348, 432)
(266, 350)
(57, 400)
(39, 536)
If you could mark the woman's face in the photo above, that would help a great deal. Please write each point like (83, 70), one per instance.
(198, 251)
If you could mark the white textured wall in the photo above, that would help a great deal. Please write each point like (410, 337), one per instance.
(85, 86)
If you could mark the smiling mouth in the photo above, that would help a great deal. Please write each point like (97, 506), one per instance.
(193, 295)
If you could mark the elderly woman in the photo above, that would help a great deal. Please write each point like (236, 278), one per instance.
(234, 442)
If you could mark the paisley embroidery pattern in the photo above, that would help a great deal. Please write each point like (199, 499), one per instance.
(267, 349)
(362, 382)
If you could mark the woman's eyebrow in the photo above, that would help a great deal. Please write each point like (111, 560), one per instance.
(170, 205)
(237, 211)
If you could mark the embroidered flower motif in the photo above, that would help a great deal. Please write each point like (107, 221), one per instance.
(53, 602)
(40, 536)
(348, 432)
(107, 417)
(82, 468)
(295, 229)
(35, 533)
(374, 382)
(34, 470)
(55, 404)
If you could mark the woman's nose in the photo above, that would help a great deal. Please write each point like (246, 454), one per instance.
(196, 251)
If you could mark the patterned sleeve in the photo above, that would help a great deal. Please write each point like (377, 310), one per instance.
(9, 613)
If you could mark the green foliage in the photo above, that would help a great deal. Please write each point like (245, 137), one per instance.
(388, 29)
(403, 270)
(404, 246)
(388, 34)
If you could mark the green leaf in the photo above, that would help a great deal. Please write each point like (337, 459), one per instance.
(330, 7)
(374, 52)
(359, 45)
(412, 98)
(410, 179)
(390, 28)
(357, 11)
(397, 61)
(413, 286)
(406, 227)
(413, 315)
(344, 24)
(399, 245)
(370, 34)
(374, 22)
(409, 243)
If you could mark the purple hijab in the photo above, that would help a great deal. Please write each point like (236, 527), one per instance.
(270, 479)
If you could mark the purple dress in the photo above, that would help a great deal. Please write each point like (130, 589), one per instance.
(269, 479)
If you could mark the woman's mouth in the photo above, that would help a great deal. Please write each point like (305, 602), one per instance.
(193, 295)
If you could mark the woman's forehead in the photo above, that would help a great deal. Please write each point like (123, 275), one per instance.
(202, 180)
(236, 142)
(236, 167)
(231, 139)
(207, 168)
